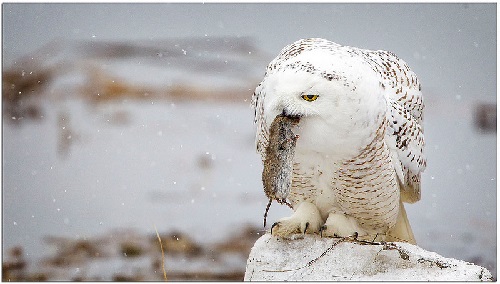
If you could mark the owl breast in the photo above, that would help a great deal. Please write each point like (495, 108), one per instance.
(363, 185)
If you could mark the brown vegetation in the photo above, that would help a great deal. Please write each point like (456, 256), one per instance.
(210, 260)
(18, 85)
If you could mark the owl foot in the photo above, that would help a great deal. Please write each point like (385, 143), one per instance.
(341, 225)
(306, 219)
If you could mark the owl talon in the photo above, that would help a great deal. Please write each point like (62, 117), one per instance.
(323, 228)
(305, 220)
(342, 226)
(272, 227)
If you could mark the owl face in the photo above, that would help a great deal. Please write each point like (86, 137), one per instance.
(335, 117)
(295, 94)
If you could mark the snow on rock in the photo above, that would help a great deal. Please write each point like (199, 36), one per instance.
(314, 258)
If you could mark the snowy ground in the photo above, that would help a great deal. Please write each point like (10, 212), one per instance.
(346, 259)
(85, 169)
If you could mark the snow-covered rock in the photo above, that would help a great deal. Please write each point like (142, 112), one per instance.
(316, 258)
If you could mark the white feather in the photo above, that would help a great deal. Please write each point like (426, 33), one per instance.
(365, 121)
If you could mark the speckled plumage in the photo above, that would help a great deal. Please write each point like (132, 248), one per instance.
(360, 151)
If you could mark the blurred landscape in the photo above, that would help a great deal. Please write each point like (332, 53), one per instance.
(107, 142)
(114, 127)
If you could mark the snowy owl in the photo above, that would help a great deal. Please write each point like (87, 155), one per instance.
(359, 149)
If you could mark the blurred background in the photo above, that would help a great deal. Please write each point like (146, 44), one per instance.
(124, 120)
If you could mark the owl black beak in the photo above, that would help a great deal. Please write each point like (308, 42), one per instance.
(288, 114)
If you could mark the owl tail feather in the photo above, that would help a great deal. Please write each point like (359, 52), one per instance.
(401, 232)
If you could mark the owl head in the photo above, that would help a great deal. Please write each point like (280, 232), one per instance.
(337, 96)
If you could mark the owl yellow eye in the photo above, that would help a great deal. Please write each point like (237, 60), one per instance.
(310, 98)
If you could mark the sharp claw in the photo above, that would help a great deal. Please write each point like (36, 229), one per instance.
(275, 224)
(355, 235)
(307, 226)
(323, 228)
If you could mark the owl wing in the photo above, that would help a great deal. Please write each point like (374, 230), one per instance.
(404, 116)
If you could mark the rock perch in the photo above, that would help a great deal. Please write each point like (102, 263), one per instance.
(334, 259)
